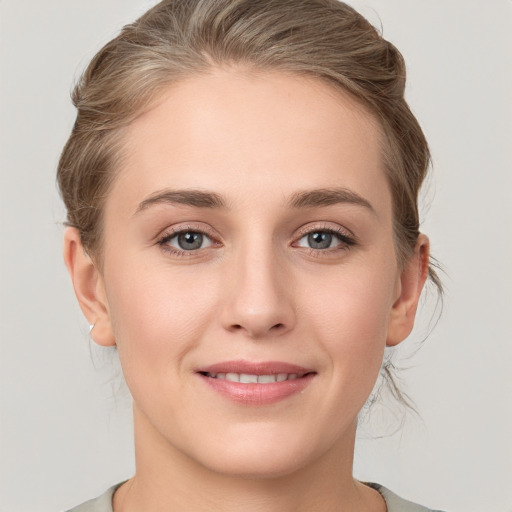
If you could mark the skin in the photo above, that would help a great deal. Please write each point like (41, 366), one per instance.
(255, 290)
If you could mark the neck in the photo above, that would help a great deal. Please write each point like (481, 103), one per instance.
(167, 479)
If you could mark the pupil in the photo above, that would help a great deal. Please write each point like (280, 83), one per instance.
(190, 240)
(320, 240)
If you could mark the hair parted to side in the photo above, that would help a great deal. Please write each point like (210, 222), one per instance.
(177, 39)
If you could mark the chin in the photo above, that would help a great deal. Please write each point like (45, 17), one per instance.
(258, 456)
(265, 466)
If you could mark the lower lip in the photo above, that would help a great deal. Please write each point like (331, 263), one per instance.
(258, 394)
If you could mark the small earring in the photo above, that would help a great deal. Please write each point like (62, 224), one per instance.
(91, 327)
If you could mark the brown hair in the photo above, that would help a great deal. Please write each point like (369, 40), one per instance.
(325, 39)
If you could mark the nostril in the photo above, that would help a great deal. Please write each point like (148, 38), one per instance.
(259, 329)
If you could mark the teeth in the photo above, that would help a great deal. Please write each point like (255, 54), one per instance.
(247, 378)
(264, 379)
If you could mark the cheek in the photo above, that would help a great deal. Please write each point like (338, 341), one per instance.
(158, 316)
(350, 313)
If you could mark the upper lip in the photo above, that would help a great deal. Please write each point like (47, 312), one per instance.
(254, 368)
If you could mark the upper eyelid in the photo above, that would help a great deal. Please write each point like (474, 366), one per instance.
(312, 227)
(305, 230)
(172, 231)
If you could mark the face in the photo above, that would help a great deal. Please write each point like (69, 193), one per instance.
(249, 272)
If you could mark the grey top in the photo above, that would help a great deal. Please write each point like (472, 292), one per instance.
(393, 502)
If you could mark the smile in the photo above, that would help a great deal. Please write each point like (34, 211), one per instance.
(247, 378)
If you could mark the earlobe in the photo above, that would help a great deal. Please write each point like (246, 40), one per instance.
(89, 288)
(411, 284)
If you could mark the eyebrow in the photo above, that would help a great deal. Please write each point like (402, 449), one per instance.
(197, 198)
(326, 197)
(315, 198)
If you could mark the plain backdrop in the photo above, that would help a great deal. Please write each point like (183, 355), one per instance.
(65, 431)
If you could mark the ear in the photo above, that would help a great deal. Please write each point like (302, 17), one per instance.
(89, 288)
(409, 287)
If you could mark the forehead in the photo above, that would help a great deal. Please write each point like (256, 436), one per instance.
(267, 132)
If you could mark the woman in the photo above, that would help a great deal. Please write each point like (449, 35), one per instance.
(241, 185)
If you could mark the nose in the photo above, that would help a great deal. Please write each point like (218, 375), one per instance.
(258, 301)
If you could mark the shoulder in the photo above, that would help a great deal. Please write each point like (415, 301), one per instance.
(395, 503)
(102, 503)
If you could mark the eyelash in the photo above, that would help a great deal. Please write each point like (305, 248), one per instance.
(345, 240)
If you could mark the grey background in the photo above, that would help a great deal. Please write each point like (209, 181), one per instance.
(65, 431)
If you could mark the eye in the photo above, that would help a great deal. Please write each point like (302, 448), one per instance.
(322, 239)
(186, 240)
(318, 240)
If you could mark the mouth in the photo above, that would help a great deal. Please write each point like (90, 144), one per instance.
(256, 383)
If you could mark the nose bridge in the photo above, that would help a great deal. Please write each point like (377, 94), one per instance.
(258, 302)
